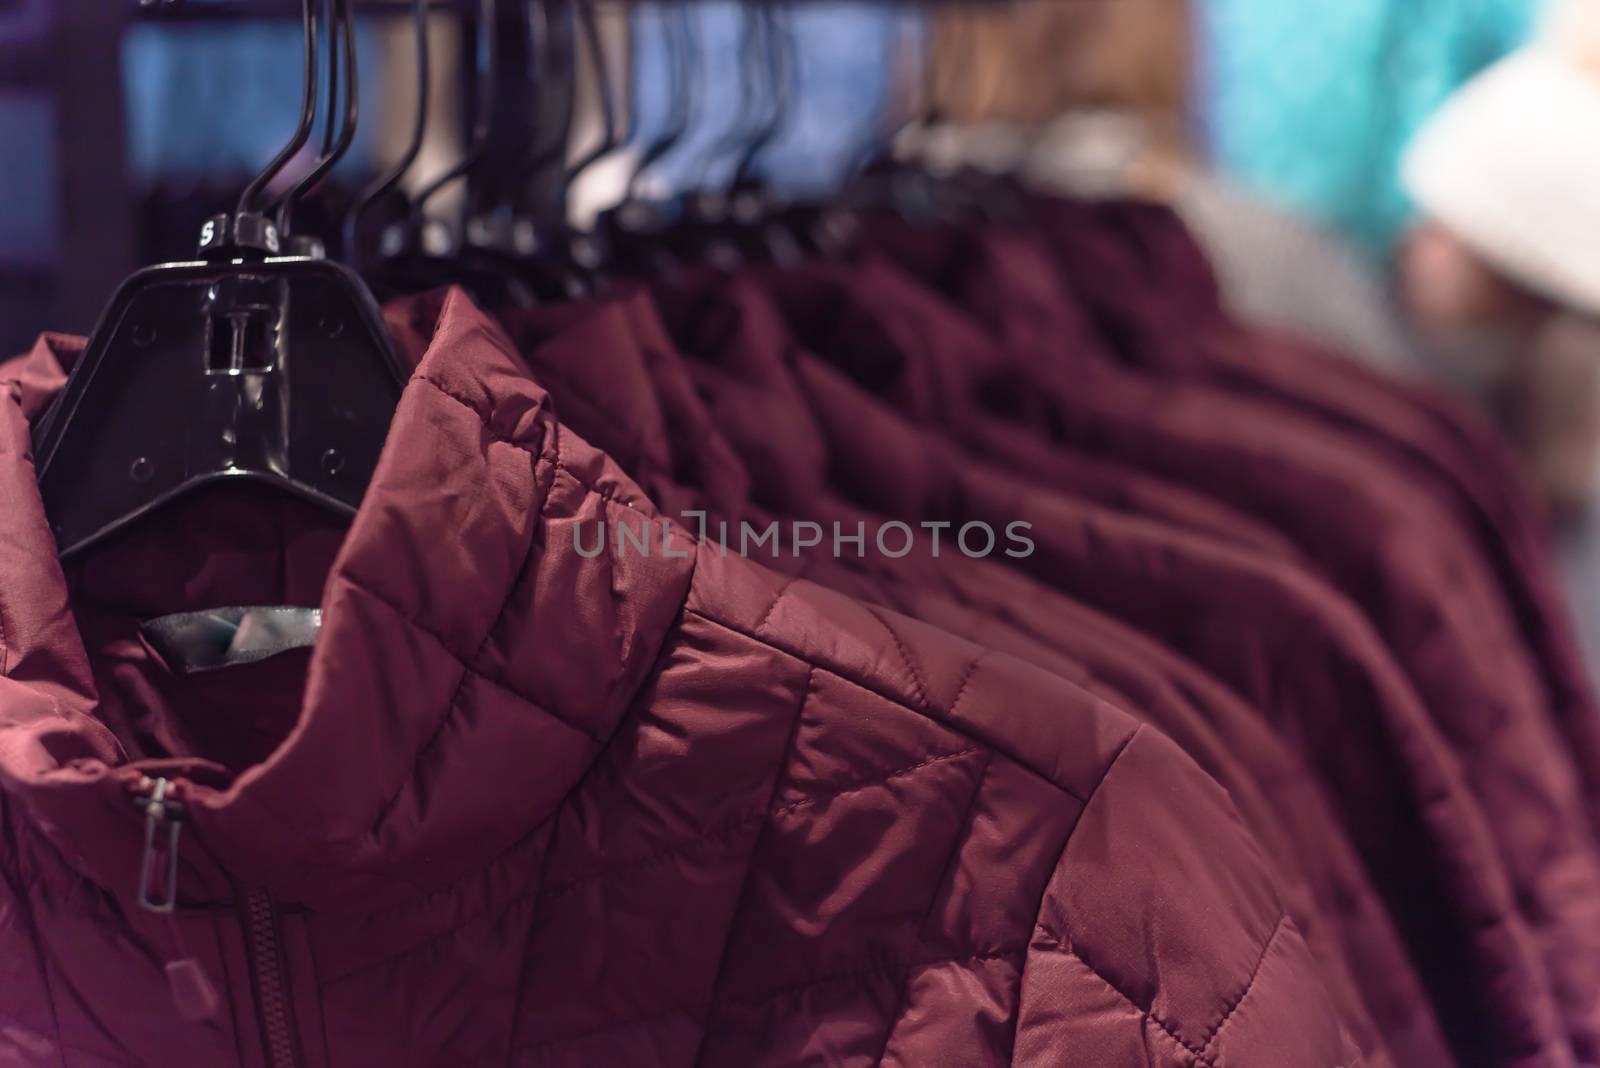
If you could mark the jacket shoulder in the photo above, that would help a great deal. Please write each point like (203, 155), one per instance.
(1096, 888)
(1161, 939)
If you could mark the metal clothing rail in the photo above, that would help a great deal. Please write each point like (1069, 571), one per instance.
(211, 10)
(221, 10)
(79, 64)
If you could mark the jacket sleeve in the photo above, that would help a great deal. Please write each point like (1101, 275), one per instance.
(1161, 940)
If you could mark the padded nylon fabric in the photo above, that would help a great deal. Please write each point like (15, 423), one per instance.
(525, 806)
(1437, 630)
(1290, 645)
(689, 423)
(1436, 441)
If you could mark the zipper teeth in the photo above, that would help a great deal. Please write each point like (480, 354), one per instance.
(274, 1002)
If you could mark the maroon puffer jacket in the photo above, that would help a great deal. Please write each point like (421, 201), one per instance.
(1439, 442)
(1296, 649)
(523, 807)
(1387, 541)
(689, 423)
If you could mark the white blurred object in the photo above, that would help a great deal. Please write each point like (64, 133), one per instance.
(1511, 164)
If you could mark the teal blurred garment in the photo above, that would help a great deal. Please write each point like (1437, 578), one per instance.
(1311, 102)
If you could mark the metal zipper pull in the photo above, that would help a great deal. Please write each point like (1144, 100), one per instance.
(159, 811)
(193, 993)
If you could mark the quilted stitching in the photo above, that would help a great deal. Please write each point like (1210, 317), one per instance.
(903, 702)
(452, 709)
(777, 596)
(918, 683)
(749, 865)
(874, 687)
(966, 680)
(811, 983)
(729, 829)
(956, 848)
(667, 853)
(1054, 944)
(906, 966)
(1215, 1031)
(956, 845)
(493, 914)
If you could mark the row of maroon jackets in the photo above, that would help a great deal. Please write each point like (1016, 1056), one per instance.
(1324, 586)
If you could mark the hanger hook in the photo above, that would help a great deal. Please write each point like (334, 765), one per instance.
(385, 183)
(532, 162)
(487, 51)
(628, 96)
(886, 126)
(681, 94)
(329, 14)
(342, 78)
(308, 116)
(589, 28)
(533, 26)
(781, 60)
(630, 82)
(751, 40)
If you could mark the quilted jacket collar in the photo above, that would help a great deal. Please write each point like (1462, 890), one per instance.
(459, 629)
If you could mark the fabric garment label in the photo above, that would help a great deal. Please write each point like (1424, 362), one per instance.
(227, 637)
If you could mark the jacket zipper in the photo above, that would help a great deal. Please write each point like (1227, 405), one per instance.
(158, 893)
(271, 988)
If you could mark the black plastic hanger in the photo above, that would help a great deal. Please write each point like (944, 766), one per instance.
(823, 229)
(585, 251)
(698, 226)
(487, 52)
(241, 365)
(552, 43)
(882, 182)
(776, 59)
(757, 214)
(496, 223)
(250, 196)
(515, 241)
(877, 180)
(631, 230)
(387, 182)
(558, 260)
(679, 37)
(341, 34)
(920, 193)
(744, 221)
(611, 136)
(415, 259)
